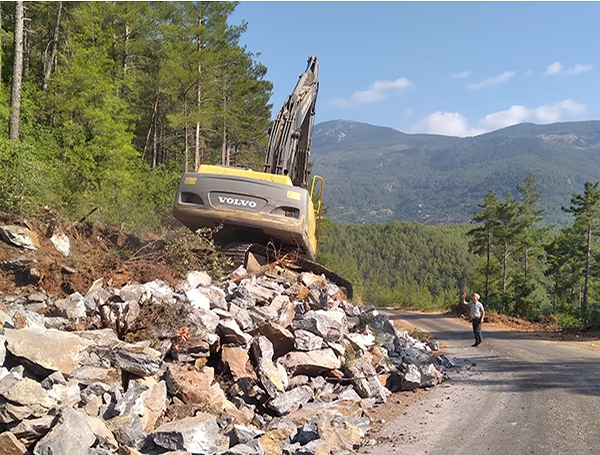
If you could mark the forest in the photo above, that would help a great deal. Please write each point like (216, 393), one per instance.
(519, 264)
(106, 104)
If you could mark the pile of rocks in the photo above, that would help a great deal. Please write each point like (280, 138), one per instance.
(272, 363)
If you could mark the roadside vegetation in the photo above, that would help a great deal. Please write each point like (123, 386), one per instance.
(105, 104)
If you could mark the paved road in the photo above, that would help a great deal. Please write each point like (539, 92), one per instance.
(518, 393)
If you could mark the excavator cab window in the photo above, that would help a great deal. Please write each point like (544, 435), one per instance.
(317, 188)
(316, 194)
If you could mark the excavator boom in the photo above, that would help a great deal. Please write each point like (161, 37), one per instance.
(290, 135)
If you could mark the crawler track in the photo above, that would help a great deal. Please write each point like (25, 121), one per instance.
(240, 252)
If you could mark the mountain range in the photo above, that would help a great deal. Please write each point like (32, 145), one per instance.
(375, 173)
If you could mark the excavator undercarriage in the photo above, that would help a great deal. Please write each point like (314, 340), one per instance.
(254, 256)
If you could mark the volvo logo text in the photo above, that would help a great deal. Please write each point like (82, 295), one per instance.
(236, 201)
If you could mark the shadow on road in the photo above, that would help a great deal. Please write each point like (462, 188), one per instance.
(579, 376)
(514, 361)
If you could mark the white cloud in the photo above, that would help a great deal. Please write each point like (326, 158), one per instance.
(556, 112)
(547, 113)
(493, 81)
(446, 123)
(378, 91)
(579, 68)
(461, 75)
(455, 124)
(512, 116)
(555, 68)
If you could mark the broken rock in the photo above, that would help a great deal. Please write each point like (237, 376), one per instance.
(62, 351)
(311, 363)
(10, 445)
(195, 434)
(72, 434)
(18, 236)
(291, 400)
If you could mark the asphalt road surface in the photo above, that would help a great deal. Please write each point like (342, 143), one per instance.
(518, 393)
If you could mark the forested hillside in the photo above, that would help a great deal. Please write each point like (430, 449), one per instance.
(508, 254)
(109, 102)
(380, 174)
(401, 263)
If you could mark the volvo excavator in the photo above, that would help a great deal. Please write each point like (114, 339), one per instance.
(261, 216)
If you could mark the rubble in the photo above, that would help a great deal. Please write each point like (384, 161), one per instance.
(275, 362)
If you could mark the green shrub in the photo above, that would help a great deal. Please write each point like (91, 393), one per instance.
(23, 178)
(567, 320)
(186, 250)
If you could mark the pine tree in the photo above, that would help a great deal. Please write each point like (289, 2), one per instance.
(586, 209)
(506, 233)
(528, 240)
(483, 237)
(564, 267)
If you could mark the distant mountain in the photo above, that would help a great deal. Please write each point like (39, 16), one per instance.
(375, 173)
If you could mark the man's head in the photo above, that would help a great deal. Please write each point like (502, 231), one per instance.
(475, 297)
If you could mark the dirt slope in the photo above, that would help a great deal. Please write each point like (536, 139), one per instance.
(94, 253)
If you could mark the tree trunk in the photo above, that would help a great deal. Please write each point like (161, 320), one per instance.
(487, 269)
(198, 99)
(504, 269)
(526, 263)
(125, 60)
(197, 158)
(224, 150)
(155, 143)
(186, 134)
(505, 256)
(197, 147)
(15, 101)
(154, 109)
(50, 60)
(588, 254)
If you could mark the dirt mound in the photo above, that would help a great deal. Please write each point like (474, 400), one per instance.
(94, 252)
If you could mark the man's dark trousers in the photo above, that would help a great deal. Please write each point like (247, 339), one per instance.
(477, 329)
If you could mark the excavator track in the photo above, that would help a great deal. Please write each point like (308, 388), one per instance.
(318, 269)
(245, 253)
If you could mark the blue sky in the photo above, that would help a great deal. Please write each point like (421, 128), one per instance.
(452, 68)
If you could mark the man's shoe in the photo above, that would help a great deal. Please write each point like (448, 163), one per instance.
(474, 345)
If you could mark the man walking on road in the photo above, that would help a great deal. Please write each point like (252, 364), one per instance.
(477, 315)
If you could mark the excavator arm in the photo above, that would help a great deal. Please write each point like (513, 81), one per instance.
(290, 134)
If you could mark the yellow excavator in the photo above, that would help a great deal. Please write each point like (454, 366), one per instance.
(262, 215)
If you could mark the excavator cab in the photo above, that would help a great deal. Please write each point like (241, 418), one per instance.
(270, 207)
